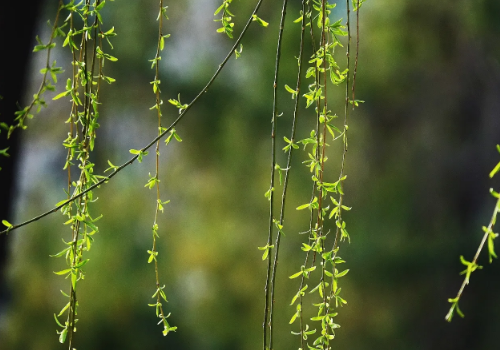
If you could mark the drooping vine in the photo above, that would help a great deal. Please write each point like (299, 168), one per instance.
(270, 279)
(154, 181)
(83, 89)
(323, 243)
(140, 153)
(323, 66)
(488, 238)
(38, 100)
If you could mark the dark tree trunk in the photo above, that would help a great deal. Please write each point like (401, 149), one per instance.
(17, 25)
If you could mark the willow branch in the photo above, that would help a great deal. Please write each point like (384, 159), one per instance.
(268, 311)
(488, 231)
(346, 114)
(159, 137)
(357, 53)
(27, 110)
(289, 162)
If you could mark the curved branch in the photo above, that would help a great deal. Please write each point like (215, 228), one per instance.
(160, 136)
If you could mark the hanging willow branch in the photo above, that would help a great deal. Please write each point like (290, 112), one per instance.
(142, 151)
(269, 288)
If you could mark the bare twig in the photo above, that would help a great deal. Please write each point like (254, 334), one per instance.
(268, 307)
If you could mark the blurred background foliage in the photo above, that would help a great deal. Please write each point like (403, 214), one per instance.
(421, 148)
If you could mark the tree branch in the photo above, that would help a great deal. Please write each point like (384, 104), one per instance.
(160, 136)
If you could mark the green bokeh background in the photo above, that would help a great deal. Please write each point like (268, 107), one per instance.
(420, 150)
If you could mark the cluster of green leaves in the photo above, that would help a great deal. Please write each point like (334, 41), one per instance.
(226, 19)
(84, 224)
(323, 71)
(357, 4)
(86, 46)
(488, 238)
(47, 84)
(154, 180)
(319, 259)
(227, 24)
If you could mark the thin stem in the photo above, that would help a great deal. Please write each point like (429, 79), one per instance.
(346, 114)
(82, 208)
(159, 305)
(292, 137)
(269, 304)
(478, 252)
(104, 180)
(357, 53)
(289, 161)
(83, 200)
(325, 109)
(319, 224)
(317, 128)
(344, 153)
(71, 121)
(27, 110)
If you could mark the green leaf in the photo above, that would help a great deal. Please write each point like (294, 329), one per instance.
(491, 246)
(63, 272)
(266, 250)
(152, 256)
(61, 253)
(139, 154)
(341, 274)
(306, 247)
(266, 253)
(177, 103)
(173, 133)
(268, 193)
(495, 170)
(62, 336)
(177, 137)
(356, 102)
(494, 193)
(219, 8)
(110, 32)
(303, 206)
(57, 321)
(101, 5)
(111, 58)
(112, 166)
(260, 21)
(237, 52)
(151, 182)
(166, 330)
(7, 224)
(62, 94)
(459, 312)
(292, 91)
(317, 318)
(62, 311)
